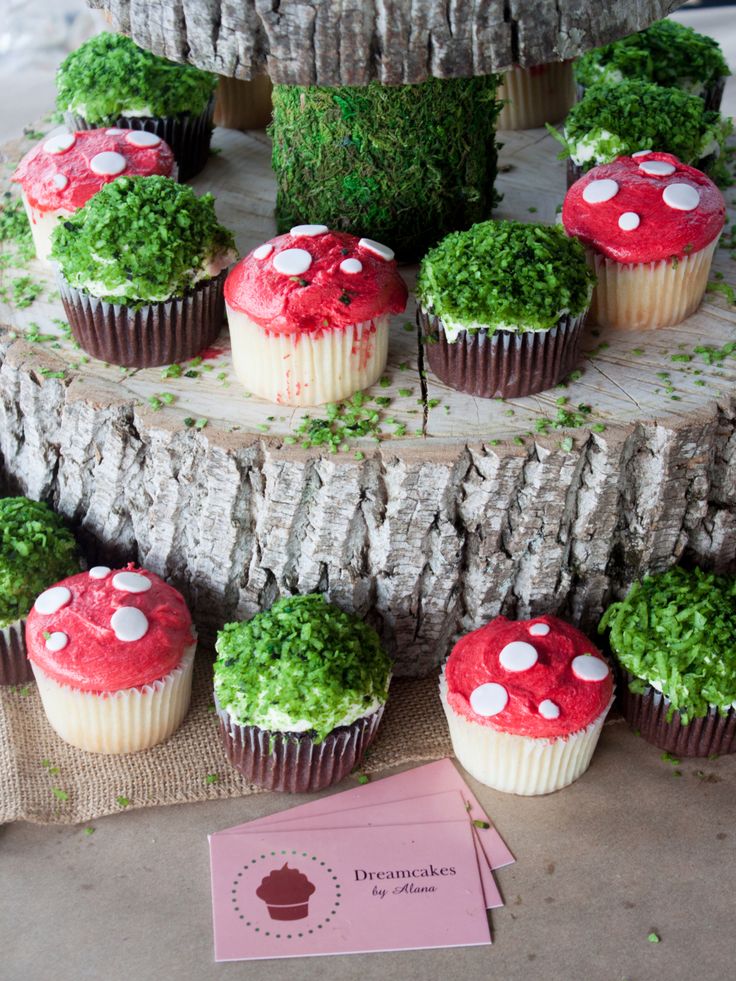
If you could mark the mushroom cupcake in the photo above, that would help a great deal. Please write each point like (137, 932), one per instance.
(309, 315)
(112, 652)
(525, 702)
(142, 266)
(650, 225)
(61, 174)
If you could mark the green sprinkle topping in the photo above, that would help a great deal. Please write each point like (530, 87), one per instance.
(122, 801)
(362, 778)
(481, 824)
(566, 444)
(406, 392)
(172, 371)
(25, 291)
(212, 778)
(653, 938)
(89, 831)
(59, 794)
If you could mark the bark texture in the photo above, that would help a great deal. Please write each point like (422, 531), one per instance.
(351, 42)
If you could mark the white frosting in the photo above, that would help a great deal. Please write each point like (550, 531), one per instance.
(131, 582)
(60, 143)
(60, 181)
(52, 600)
(518, 656)
(263, 251)
(599, 191)
(308, 230)
(539, 629)
(292, 262)
(681, 197)
(641, 153)
(629, 221)
(56, 641)
(115, 131)
(109, 163)
(549, 709)
(590, 146)
(489, 699)
(129, 623)
(99, 571)
(657, 168)
(141, 137)
(383, 251)
(274, 719)
(351, 266)
(586, 667)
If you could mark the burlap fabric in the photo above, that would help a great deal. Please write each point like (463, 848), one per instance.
(44, 780)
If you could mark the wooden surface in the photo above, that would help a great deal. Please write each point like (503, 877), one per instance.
(341, 42)
(473, 511)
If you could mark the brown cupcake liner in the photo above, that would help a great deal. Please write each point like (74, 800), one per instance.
(154, 334)
(714, 734)
(535, 96)
(188, 136)
(243, 104)
(292, 761)
(506, 364)
(15, 668)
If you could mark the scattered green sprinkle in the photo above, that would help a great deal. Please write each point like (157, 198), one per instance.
(59, 794)
(653, 938)
(212, 778)
(122, 801)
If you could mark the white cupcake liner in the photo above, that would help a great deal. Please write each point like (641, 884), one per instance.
(648, 295)
(303, 369)
(15, 668)
(536, 95)
(124, 721)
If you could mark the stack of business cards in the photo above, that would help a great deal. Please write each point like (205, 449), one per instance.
(400, 864)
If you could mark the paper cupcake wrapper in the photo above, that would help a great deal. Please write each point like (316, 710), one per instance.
(124, 721)
(243, 104)
(505, 364)
(292, 761)
(188, 136)
(15, 668)
(536, 96)
(155, 334)
(648, 295)
(647, 714)
(308, 368)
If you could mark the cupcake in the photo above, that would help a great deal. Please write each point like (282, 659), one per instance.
(61, 174)
(535, 96)
(666, 53)
(36, 549)
(309, 315)
(300, 691)
(650, 225)
(286, 893)
(619, 118)
(110, 81)
(142, 270)
(674, 637)
(501, 307)
(112, 653)
(525, 702)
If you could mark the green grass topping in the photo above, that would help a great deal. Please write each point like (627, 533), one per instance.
(678, 629)
(110, 75)
(505, 272)
(403, 164)
(15, 230)
(36, 550)
(142, 236)
(302, 658)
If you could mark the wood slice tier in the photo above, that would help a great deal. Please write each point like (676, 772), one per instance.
(341, 42)
(464, 509)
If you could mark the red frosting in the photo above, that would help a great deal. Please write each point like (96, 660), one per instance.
(94, 659)
(323, 296)
(663, 232)
(476, 660)
(39, 169)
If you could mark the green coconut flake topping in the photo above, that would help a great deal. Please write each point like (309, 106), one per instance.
(678, 629)
(140, 239)
(505, 272)
(109, 76)
(304, 658)
(667, 53)
(36, 551)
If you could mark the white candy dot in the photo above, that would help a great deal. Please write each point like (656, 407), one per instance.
(383, 251)
(131, 582)
(140, 137)
(657, 168)
(109, 163)
(586, 667)
(114, 131)
(292, 262)
(539, 629)
(99, 571)
(56, 641)
(548, 709)
(518, 656)
(628, 221)
(489, 699)
(263, 251)
(308, 230)
(641, 153)
(60, 181)
(52, 600)
(681, 197)
(351, 266)
(599, 191)
(59, 143)
(129, 623)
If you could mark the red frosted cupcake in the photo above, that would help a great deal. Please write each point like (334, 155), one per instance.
(650, 225)
(61, 174)
(112, 653)
(286, 893)
(309, 315)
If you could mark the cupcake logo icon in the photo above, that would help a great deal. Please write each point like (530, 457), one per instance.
(286, 892)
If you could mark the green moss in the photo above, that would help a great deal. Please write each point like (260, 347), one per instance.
(109, 76)
(302, 658)
(505, 272)
(667, 53)
(36, 551)
(678, 629)
(402, 164)
(140, 239)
